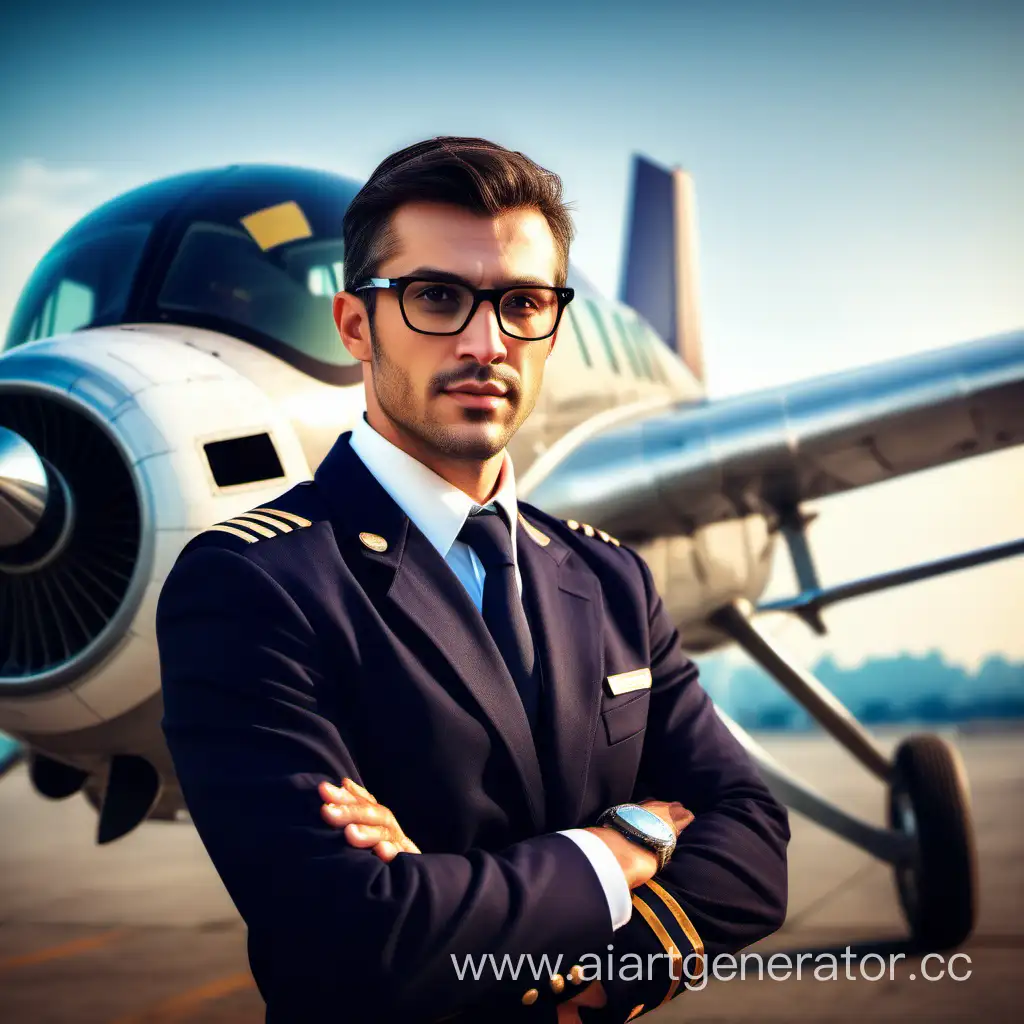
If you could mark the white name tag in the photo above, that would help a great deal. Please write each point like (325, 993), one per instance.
(624, 682)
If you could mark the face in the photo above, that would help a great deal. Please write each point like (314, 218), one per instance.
(463, 396)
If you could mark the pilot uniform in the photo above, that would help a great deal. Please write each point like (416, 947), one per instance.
(335, 634)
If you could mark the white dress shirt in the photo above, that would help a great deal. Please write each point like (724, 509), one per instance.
(439, 509)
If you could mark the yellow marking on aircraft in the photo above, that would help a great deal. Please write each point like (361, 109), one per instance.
(277, 225)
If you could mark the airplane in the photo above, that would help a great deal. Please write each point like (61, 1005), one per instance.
(172, 364)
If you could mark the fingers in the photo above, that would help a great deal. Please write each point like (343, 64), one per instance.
(681, 817)
(672, 813)
(354, 787)
(363, 814)
(367, 823)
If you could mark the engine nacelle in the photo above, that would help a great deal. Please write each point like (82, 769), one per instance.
(153, 440)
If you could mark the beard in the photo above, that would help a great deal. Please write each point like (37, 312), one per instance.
(482, 433)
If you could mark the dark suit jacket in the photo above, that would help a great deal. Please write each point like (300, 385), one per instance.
(293, 651)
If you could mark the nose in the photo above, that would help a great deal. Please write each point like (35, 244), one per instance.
(481, 339)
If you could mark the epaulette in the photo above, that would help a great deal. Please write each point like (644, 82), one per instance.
(591, 531)
(260, 524)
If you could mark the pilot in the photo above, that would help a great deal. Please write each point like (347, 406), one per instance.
(443, 748)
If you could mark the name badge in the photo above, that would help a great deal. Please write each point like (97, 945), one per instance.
(625, 682)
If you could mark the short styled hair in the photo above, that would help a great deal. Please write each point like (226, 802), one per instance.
(475, 174)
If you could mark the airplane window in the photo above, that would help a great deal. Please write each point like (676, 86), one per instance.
(284, 293)
(635, 331)
(584, 352)
(648, 345)
(83, 283)
(606, 340)
(627, 344)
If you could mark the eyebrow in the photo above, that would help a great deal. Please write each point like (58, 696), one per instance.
(436, 274)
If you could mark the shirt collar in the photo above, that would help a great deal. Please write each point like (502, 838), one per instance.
(438, 508)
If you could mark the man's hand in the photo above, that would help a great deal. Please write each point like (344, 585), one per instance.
(638, 864)
(367, 823)
(592, 996)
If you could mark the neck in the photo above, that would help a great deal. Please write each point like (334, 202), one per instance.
(477, 479)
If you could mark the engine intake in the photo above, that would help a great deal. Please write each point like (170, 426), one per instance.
(61, 586)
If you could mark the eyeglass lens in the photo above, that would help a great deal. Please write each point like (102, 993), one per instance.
(443, 307)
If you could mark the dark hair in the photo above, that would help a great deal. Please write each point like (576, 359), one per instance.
(472, 173)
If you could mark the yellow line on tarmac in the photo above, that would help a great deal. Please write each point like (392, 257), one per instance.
(180, 1006)
(66, 949)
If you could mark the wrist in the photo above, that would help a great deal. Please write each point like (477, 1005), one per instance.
(637, 863)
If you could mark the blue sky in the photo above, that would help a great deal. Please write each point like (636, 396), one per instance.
(858, 165)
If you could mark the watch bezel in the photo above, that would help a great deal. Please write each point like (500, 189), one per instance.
(663, 848)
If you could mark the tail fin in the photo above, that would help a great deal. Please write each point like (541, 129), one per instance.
(660, 277)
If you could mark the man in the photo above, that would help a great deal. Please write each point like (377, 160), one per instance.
(499, 679)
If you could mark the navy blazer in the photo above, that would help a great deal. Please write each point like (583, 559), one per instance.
(325, 637)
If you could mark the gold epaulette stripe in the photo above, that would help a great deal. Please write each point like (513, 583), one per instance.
(256, 517)
(666, 940)
(290, 516)
(255, 527)
(235, 533)
(681, 919)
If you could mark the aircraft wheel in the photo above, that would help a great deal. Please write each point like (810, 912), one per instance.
(928, 799)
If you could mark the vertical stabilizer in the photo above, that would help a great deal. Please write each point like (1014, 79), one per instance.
(660, 274)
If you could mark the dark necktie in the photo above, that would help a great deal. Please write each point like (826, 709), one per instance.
(488, 535)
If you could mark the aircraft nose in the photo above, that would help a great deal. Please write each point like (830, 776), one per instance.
(24, 489)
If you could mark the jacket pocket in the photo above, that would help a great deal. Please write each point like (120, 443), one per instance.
(622, 721)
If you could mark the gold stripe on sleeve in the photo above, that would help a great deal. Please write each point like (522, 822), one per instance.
(666, 940)
(680, 915)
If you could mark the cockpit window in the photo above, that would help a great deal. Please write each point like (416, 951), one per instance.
(83, 282)
(283, 291)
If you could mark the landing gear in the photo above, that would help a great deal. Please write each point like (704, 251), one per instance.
(930, 839)
(928, 801)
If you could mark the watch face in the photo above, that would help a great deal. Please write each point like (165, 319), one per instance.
(646, 821)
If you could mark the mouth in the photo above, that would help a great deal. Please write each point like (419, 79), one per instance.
(476, 395)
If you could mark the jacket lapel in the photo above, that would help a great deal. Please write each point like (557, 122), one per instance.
(565, 616)
(426, 591)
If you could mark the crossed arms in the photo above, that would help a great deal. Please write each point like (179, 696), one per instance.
(243, 674)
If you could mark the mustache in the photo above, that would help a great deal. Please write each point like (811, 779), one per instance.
(481, 375)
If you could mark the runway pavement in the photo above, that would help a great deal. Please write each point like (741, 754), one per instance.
(141, 932)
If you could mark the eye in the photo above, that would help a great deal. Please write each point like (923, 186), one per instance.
(436, 293)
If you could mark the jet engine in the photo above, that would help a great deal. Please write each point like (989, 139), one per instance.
(116, 447)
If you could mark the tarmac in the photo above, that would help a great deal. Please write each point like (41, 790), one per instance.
(142, 932)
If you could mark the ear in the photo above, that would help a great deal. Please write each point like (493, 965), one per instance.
(353, 324)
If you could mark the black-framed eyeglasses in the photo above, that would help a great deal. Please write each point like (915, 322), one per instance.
(432, 306)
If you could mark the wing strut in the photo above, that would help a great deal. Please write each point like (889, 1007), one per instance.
(813, 598)
(735, 621)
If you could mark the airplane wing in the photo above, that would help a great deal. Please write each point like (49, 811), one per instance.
(676, 470)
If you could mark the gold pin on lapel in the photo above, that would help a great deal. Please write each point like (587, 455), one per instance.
(374, 541)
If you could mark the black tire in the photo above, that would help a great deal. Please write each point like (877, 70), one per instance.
(928, 796)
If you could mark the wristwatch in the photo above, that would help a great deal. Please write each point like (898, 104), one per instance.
(643, 827)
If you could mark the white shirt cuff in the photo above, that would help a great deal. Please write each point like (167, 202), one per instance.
(609, 874)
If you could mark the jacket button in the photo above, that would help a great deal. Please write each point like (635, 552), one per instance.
(557, 983)
(530, 997)
(576, 975)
